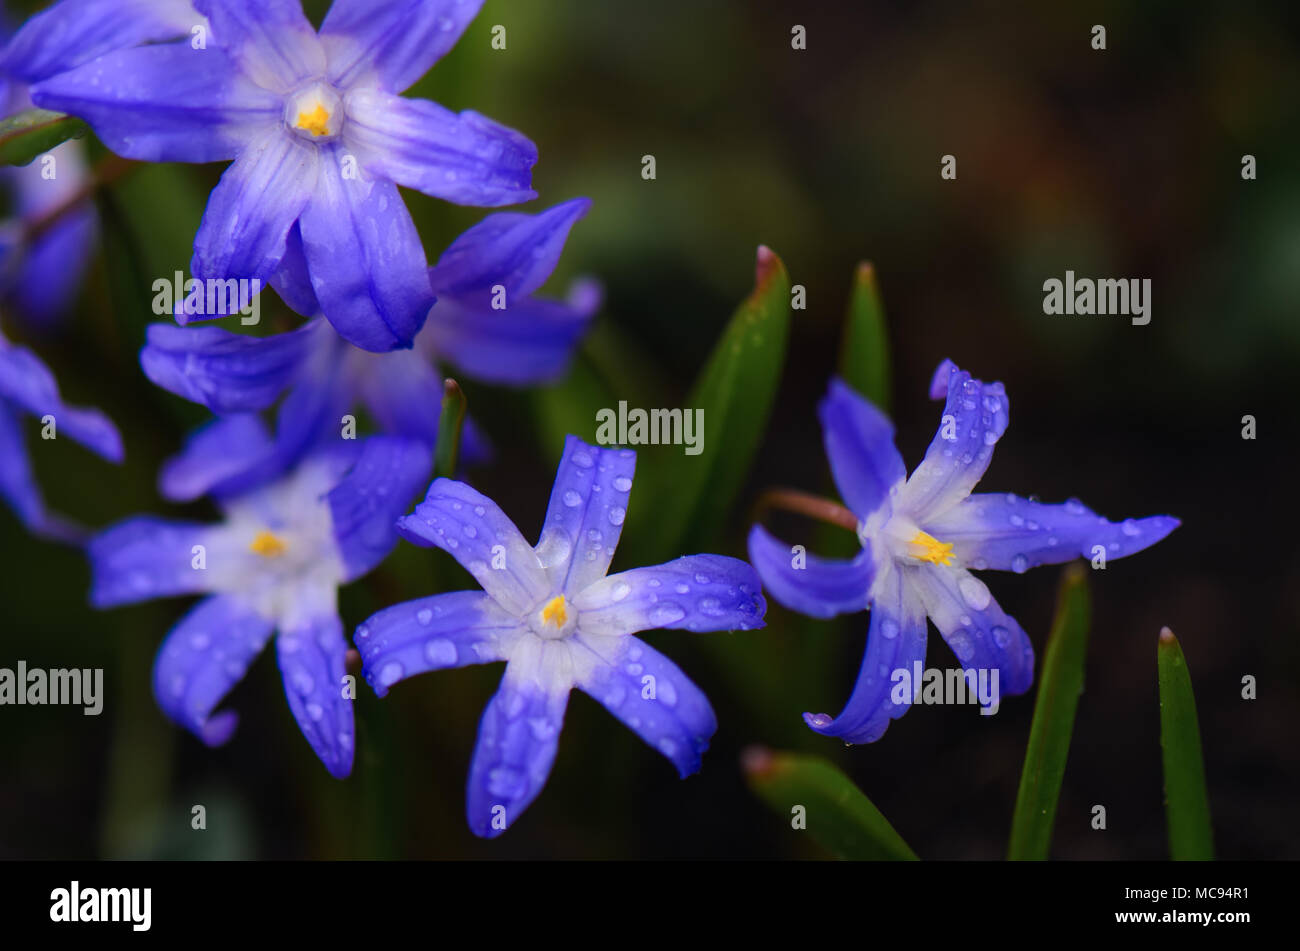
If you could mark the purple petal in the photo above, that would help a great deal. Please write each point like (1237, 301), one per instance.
(167, 103)
(859, 442)
(270, 40)
(655, 700)
(292, 278)
(585, 517)
(311, 655)
(517, 740)
(73, 32)
(895, 643)
(529, 342)
(467, 158)
(245, 226)
(28, 383)
(693, 593)
(472, 529)
(974, 418)
(1007, 533)
(820, 588)
(202, 659)
(366, 260)
(55, 262)
(308, 420)
(215, 452)
(391, 42)
(366, 504)
(515, 250)
(17, 482)
(403, 392)
(435, 633)
(146, 557)
(979, 632)
(227, 372)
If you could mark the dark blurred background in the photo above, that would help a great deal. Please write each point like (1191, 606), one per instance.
(1117, 163)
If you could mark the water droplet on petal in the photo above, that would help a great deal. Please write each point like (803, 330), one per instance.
(424, 615)
(1020, 564)
(616, 516)
(572, 499)
(440, 652)
(974, 592)
(666, 613)
(961, 645)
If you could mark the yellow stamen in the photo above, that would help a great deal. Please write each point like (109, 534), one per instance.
(554, 611)
(267, 544)
(928, 548)
(317, 122)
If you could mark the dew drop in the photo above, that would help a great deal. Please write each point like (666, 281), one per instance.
(974, 592)
(440, 652)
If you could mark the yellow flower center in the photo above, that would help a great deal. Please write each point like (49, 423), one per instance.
(267, 544)
(317, 122)
(928, 548)
(554, 613)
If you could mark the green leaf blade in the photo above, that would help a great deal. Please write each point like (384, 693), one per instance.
(864, 352)
(839, 816)
(1187, 803)
(1053, 723)
(736, 391)
(450, 423)
(33, 132)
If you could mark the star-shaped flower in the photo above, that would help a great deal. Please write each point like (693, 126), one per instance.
(275, 563)
(921, 536)
(559, 622)
(320, 140)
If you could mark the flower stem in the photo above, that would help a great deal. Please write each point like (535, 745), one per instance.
(804, 503)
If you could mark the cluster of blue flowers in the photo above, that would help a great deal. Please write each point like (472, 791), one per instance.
(319, 138)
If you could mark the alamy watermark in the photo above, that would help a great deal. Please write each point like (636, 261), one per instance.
(35, 686)
(1086, 297)
(933, 686)
(212, 297)
(75, 904)
(655, 427)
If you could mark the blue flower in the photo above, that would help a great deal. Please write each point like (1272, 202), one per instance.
(27, 386)
(503, 259)
(921, 536)
(320, 141)
(275, 563)
(559, 622)
(47, 245)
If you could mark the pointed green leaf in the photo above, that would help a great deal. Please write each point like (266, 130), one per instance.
(691, 495)
(1049, 735)
(835, 812)
(1187, 805)
(864, 353)
(34, 132)
(450, 424)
